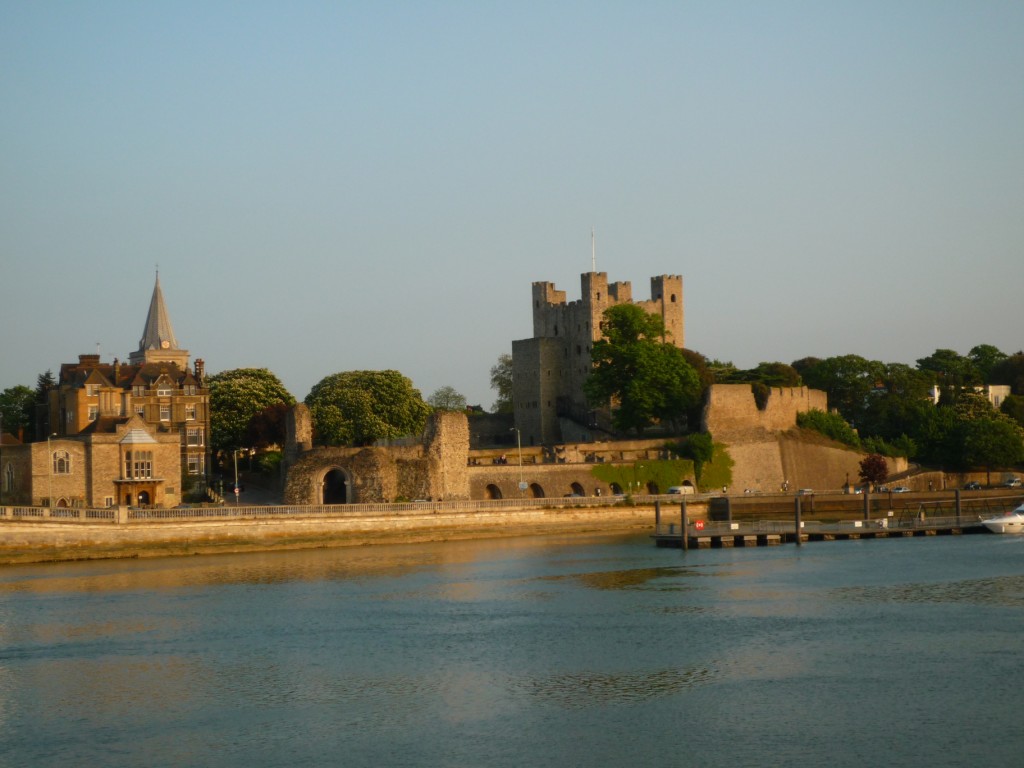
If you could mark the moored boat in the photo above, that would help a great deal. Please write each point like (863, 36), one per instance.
(1011, 522)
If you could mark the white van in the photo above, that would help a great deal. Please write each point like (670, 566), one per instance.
(681, 490)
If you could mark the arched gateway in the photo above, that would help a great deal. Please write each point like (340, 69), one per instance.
(334, 488)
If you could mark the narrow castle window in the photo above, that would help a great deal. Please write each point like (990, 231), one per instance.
(673, 299)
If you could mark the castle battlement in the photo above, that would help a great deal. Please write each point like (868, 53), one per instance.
(549, 369)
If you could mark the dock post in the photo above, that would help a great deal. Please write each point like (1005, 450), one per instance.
(657, 515)
(796, 518)
(728, 509)
(683, 516)
(959, 509)
(867, 504)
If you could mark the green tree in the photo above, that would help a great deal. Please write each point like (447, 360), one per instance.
(360, 407)
(874, 469)
(447, 398)
(992, 444)
(952, 371)
(848, 380)
(832, 425)
(501, 382)
(698, 448)
(985, 358)
(41, 426)
(1010, 371)
(17, 410)
(237, 397)
(1013, 406)
(645, 378)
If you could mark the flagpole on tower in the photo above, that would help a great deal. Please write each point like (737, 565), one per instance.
(593, 252)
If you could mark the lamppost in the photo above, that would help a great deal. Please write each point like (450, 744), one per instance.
(519, 447)
(49, 473)
(234, 455)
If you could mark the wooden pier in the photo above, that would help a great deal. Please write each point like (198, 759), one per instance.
(762, 533)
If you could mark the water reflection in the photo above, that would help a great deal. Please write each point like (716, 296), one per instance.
(588, 689)
(1005, 591)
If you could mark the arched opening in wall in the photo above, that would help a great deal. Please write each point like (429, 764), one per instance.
(62, 503)
(616, 489)
(577, 490)
(143, 498)
(536, 492)
(492, 491)
(688, 484)
(335, 488)
(673, 299)
(652, 488)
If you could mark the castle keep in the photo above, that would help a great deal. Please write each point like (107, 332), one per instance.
(549, 369)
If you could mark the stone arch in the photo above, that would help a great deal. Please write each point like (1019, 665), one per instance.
(577, 490)
(652, 488)
(335, 486)
(144, 499)
(492, 491)
(536, 491)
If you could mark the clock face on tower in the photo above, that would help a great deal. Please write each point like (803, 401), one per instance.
(165, 344)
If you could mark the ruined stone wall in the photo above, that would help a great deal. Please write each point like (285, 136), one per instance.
(730, 409)
(446, 441)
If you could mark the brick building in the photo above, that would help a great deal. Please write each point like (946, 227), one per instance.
(120, 433)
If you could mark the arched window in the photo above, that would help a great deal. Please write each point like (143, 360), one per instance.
(493, 491)
(536, 491)
(61, 463)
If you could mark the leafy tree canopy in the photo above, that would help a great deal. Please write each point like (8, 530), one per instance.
(501, 382)
(985, 358)
(237, 397)
(17, 410)
(360, 407)
(952, 370)
(1013, 406)
(1010, 371)
(848, 380)
(991, 443)
(648, 379)
(447, 398)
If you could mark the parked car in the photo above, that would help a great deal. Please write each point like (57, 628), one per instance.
(681, 490)
(901, 489)
(805, 492)
(1013, 482)
(974, 485)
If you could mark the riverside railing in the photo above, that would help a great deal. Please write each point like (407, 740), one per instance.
(296, 512)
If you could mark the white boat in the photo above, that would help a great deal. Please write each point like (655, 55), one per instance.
(1011, 522)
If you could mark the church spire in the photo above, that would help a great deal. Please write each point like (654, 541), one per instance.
(158, 341)
(158, 333)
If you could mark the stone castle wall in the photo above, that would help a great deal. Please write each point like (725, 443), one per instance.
(730, 410)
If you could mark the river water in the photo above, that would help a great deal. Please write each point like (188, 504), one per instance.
(544, 651)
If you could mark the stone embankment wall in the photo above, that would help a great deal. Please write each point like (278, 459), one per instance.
(731, 410)
(24, 542)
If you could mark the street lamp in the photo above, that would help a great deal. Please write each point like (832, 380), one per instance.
(49, 471)
(234, 455)
(519, 447)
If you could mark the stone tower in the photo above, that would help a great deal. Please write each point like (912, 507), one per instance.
(549, 369)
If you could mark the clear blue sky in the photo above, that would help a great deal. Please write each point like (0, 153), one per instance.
(331, 186)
